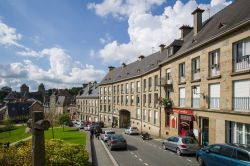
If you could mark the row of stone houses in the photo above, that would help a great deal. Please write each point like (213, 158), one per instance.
(204, 75)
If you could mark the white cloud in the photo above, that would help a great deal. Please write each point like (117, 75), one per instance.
(106, 39)
(147, 31)
(63, 71)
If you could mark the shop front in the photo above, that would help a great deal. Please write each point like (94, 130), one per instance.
(185, 118)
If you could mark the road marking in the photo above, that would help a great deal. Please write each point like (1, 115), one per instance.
(145, 163)
(189, 160)
(110, 155)
(140, 159)
(135, 156)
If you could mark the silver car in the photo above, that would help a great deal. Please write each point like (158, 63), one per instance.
(105, 135)
(181, 145)
(131, 130)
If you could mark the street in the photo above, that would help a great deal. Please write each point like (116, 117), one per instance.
(149, 153)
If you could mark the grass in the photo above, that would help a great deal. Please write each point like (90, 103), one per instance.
(14, 135)
(69, 135)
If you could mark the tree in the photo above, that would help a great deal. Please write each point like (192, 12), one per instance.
(63, 119)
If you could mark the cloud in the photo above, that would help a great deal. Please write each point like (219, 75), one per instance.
(147, 31)
(106, 39)
(63, 71)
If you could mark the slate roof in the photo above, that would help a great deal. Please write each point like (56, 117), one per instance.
(16, 109)
(223, 21)
(86, 93)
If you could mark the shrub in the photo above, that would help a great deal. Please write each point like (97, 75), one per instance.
(57, 153)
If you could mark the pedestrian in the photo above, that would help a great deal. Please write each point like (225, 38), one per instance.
(191, 134)
(92, 133)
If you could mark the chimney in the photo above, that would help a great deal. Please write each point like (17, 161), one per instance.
(162, 46)
(84, 85)
(197, 20)
(89, 84)
(111, 68)
(123, 64)
(94, 84)
(141, 57)
(185, 29)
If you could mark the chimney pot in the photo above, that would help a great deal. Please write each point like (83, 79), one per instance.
(197, 19)
(141, 57)
(111, 68)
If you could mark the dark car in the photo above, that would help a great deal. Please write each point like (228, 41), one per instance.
(224, 155)
(117, 142)
(100, 124)
(69, 123)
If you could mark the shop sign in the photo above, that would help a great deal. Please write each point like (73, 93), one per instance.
(186, 117)
(183, 111)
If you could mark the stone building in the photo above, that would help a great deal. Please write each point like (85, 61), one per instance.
(87, 102)
(204, 75)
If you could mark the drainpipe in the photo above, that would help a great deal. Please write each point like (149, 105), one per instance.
(141, 102)
(160, 97)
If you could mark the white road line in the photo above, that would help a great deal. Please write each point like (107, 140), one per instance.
(145, 163)
(140, 159)
(135, 156)
(189, 160)
(110, 155)
(131, 153)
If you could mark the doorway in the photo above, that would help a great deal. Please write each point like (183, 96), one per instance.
(124, 118)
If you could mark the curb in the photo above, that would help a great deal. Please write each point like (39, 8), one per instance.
(25, 139)
(88, 145)
(110, 155)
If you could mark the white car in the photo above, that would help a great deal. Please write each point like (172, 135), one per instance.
(131, 130)
(105, 135)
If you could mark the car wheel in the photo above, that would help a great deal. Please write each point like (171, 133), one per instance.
(178, 151)
(164, 146)
(200, 161)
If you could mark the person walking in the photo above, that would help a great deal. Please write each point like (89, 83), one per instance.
(92, 132)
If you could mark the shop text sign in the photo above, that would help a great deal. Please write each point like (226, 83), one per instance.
(183, 111)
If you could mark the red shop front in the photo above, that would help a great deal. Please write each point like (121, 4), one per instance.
(185, 118)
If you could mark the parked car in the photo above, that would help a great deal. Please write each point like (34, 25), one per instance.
(131, 130)
(80, 125)
(88, 127)
(117, 142)
(224, 155)
(105, 134)
(69, 123)
(181, 145)
(100, 124)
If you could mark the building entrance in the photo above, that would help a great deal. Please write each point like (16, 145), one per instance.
(204, 125)
(124, 118)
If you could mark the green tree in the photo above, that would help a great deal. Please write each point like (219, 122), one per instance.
(63, 119)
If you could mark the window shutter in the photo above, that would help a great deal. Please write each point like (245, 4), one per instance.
(242, 88)
(215, 90)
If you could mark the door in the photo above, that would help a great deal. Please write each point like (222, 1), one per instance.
(204, 131)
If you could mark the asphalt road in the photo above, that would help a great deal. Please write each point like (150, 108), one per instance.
(149, 153)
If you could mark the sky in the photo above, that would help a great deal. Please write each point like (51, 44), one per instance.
(65, 43)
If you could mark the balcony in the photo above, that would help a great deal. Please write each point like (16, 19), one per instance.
(166, 82)
(196, 74)
(242, 64)
(214, 70)
(182, 79)
(241, 104)
(214, 102)
(195, 102)
(182, 102)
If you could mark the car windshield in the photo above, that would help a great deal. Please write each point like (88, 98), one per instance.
(118, 137)
(189, 141)
(110, 132)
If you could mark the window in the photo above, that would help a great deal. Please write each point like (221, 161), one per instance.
(150, 84)
(156, 117)
(118, 89)
(109, 99)
(196, 68)
(241, 99)
(149, 100)
(114, 88)
(238, 133)
(118, 101)
(110, 89)
(138, 86)
(242, 55)
(214, 92)
(144, 100)
(138, 100)
(167, 118)
(101, 91)
(127, 100)
(214, 61)
(100, 108)
(215, 148)
(114, 99)
(226, 151)
(196, 96)
(105, 99)
(182, 97)
(156, 82)
(182, 72)
(242, 155)
(144, 115)
(101, 100)
(126, 87)
(156, 100)
(122, 100)
(122, 90)
(109, 108)
(138, 113)
(132, 87)
(144, 85)
(149, 116)
(132, 100)
(104, 108)
(168, 76)
(105, 90)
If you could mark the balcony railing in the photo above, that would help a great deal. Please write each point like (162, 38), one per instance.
(214, 70)
(182, 102)
(214, 102)
(182, 79)
(241, 103)
(242, 64)
(165, 81)
(196, 74)
(195, 102)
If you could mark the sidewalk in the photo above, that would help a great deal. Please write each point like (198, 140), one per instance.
(100, 156)
(25, 139)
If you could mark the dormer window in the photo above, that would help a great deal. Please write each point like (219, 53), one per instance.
(170, 51)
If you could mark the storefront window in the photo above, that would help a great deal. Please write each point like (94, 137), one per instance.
(238, 133)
